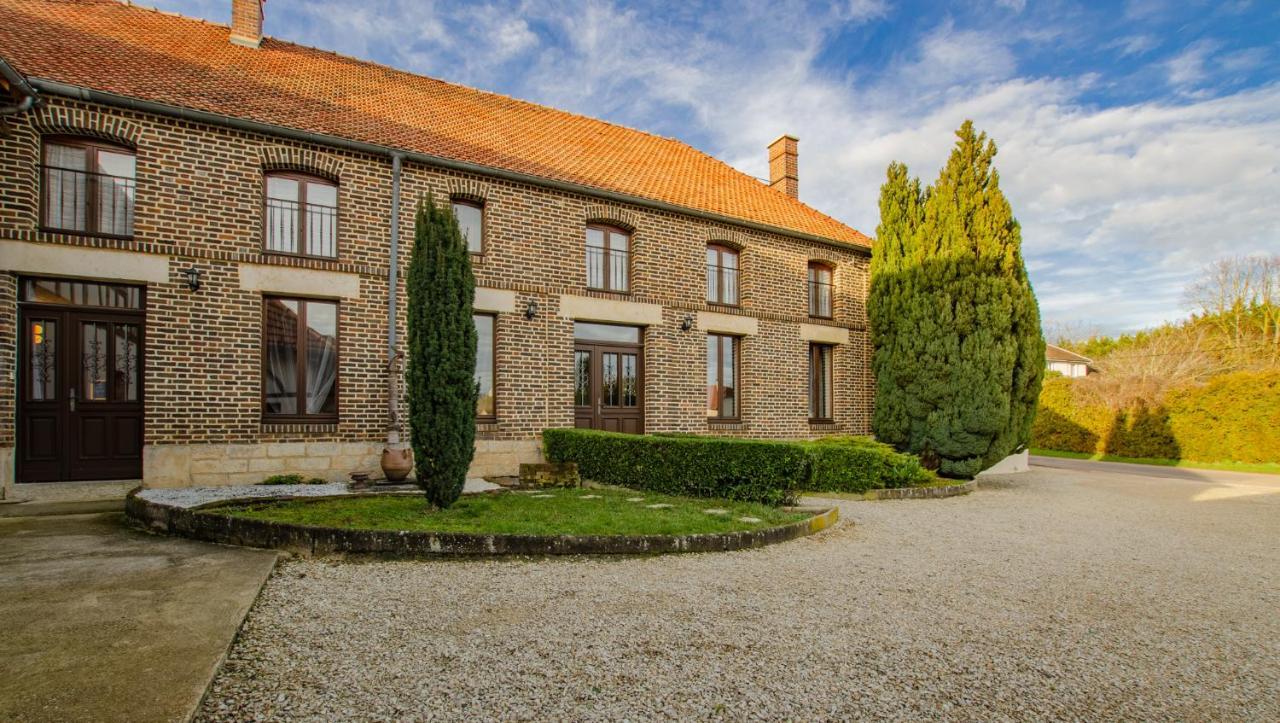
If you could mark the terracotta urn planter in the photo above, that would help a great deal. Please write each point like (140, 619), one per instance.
(397, 461)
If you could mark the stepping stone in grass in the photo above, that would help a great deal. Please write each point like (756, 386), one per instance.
(659, 506)
(751, 520)
(716, 511)
(541, 496)
(588, 497)
(635, 499)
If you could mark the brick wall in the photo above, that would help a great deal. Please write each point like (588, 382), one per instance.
(199, 193)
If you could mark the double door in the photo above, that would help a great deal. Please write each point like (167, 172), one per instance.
(80, 408)
(609, 387)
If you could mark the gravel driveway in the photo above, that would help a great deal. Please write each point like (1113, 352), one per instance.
(1054, 594)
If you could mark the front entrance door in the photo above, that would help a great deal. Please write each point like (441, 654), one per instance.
(608, 379)
(80, 382)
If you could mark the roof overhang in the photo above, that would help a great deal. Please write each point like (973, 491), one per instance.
(16, 84)
(243, 124)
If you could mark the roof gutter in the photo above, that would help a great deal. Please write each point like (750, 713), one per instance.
(251, 126)
(20, 84)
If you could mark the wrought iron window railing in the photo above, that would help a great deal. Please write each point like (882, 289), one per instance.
(607, 268)
(722, 284)
(286, 221)
(85, 201)
(820, 299)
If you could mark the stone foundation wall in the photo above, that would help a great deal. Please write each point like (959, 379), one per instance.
(186, 465)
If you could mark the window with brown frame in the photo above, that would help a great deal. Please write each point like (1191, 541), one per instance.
(819, 290)
(470, 215)
(722, 377)
(608, 259)
(722, 275)
(820, 400)
(486, 348)
(87, 186)
(299, 360)
(300, 215)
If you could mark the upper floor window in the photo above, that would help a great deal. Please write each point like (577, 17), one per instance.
(470, 215)
(722, 275)
(608, 258)
(301, 215)
(819, 290)
(87, 186)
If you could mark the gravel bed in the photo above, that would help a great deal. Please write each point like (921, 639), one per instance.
(1050, 595)
(187, 497)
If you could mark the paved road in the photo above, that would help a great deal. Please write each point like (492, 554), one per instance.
(1051, 595)
(1152, 471)
(104, 623)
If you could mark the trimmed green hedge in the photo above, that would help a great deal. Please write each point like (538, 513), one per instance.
(773, 472)
(734, 469)
(859, 464)
(1233, 418)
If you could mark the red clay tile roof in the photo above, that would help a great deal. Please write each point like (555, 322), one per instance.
(109, 46)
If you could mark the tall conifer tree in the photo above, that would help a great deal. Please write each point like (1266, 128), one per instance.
(440, 378)
(958, 351)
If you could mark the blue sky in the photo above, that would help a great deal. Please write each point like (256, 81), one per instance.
(1138, 140)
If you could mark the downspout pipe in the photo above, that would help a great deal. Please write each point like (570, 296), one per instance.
(393, 284)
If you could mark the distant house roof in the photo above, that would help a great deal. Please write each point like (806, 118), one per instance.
(1058, 354)
(160, 57)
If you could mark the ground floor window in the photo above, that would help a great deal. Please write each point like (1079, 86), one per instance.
(820, 382)
(486, 341)
(722, 376)
(300, 359)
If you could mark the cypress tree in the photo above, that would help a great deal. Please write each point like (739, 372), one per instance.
(440, 377)
(958, 352)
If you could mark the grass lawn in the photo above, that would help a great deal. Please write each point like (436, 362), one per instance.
(608, 511)
(1263, 467)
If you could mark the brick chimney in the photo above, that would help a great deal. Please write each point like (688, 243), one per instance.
(246, 22)
(784, 169)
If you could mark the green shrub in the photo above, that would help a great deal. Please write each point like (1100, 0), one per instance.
(858, 464)
(1233, 418)
(734, 469)
(291, 479)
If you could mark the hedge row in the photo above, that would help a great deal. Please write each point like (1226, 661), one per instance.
(773, 472)
(1233, 418)
(859, 464)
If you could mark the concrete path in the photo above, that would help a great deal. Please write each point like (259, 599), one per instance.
(105, 623)
(1154, 471)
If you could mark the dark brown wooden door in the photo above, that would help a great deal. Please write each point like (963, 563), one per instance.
(609, 387)
(80, 411)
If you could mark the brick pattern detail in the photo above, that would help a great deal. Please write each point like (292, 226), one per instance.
(469, 188)
(304, 160)
(52, 118)
(199, 202)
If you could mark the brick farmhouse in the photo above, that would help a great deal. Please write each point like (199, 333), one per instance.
(204, 233)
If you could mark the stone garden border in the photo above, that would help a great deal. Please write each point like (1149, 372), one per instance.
(922, 493)
(197, 523)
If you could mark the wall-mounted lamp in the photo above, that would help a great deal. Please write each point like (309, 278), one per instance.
(686, 323)
(531, 310)
(193, 278)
